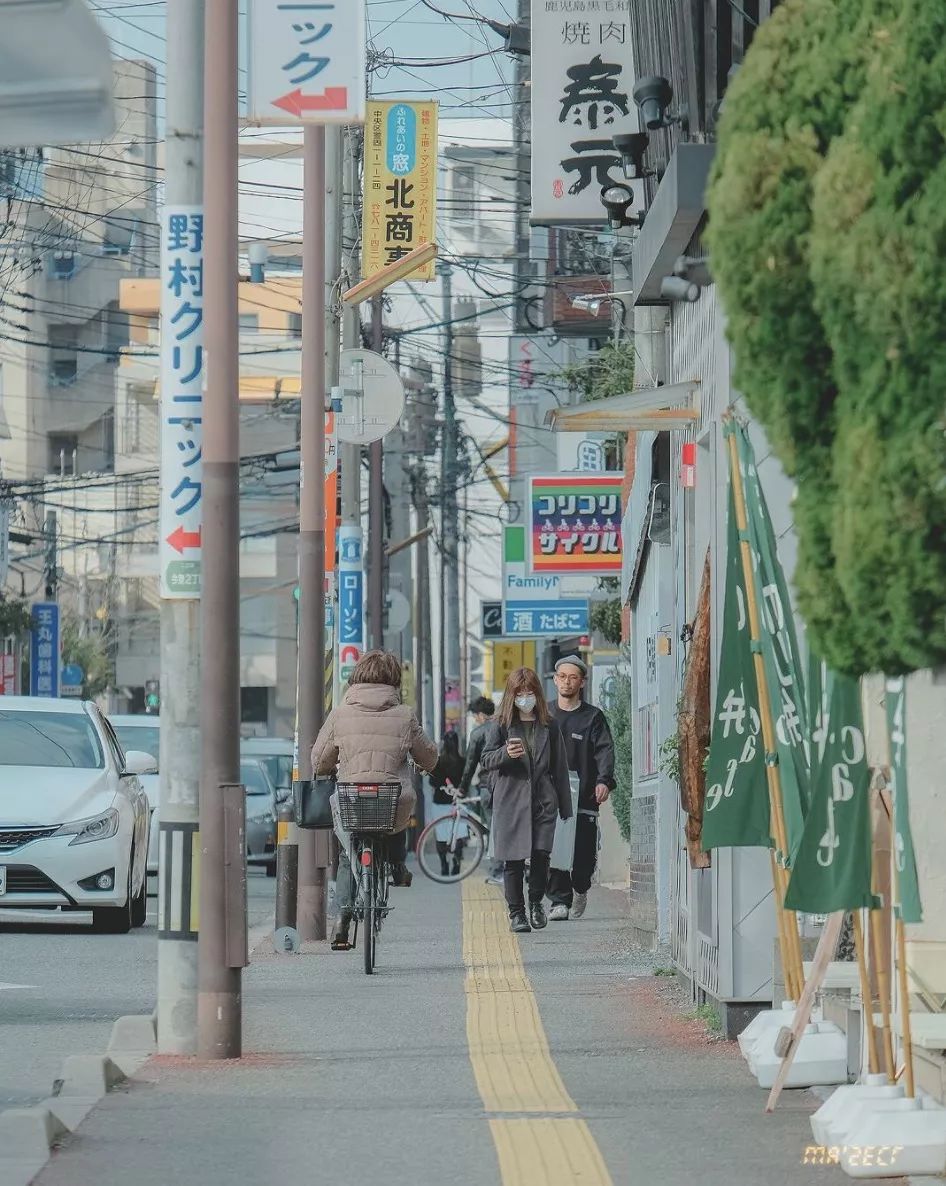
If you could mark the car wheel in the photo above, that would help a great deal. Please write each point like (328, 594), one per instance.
(139, 906)
(115, 920)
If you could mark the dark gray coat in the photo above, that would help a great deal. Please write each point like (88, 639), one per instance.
(528, 796)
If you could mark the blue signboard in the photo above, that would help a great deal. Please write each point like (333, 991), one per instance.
(350, 603)
(44, 649)
(536, 619)
(402, 139)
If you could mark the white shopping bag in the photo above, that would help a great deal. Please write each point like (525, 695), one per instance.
(563, 847)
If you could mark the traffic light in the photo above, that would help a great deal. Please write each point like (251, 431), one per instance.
(152, 697)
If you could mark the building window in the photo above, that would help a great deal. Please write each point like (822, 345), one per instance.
(249, 323)
(64, 371)
(464, 193)
(62, 452)
(295, 325)
(64, 265)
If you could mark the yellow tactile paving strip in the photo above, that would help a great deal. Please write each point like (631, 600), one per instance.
(509, 1052)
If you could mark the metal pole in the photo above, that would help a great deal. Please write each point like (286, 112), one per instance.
(465, 604)
(218, 999)
(376, 507)
(450, 624)
(180, 757)
(312, 857)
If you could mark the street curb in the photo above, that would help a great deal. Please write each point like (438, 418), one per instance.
(28, 1135)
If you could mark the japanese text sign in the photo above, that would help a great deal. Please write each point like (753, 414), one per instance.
(582, 81)
(575, 523)
(44, 649)
(182, 365)
(351, 583)
(400, 194)
(307, 61)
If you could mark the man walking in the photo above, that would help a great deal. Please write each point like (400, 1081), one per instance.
(590, 751)
(481, 709)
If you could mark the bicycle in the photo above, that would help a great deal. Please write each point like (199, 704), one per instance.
(452, 846)
(367, 813)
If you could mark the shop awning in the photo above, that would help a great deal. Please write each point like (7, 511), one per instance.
(652, 409)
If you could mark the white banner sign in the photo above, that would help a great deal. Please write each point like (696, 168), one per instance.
(182, 369)
(582, 79)
(307, 62)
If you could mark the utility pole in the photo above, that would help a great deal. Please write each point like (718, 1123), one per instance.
(376, 506)
(51, 556)
(180, 760)
(221, 948)
(312, 853)
(449, 470)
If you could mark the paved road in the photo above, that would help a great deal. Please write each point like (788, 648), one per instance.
(61, 989)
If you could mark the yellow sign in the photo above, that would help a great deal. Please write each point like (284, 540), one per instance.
(507, 656)
(400, 196)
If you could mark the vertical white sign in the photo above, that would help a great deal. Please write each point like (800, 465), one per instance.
(582, 79)
(4, 543)
(307, 62)
(182, 368)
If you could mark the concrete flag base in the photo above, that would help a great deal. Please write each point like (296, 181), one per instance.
(832, 1120)
(820, 1059)
(896, 1144)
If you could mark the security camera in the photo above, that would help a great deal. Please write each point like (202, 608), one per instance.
(653, 96)
(632, 146)
(675, 288)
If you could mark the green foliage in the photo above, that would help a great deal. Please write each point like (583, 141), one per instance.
(15, 617)
(606, 615)
(91, 654)
(668, 757)
(619, 721)
(608, 372)
(709, 1015)
(827, 229)
(665, 971)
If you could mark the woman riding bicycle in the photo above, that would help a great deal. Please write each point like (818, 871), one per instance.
(367, 739)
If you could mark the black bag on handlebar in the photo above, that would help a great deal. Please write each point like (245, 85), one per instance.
(311, 802)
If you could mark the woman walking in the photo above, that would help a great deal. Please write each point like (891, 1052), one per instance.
(449, 768)
(525, 751)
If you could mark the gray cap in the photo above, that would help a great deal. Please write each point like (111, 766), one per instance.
(574, 661)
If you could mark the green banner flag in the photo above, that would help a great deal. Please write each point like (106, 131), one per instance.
(783, 671)
(907, 891)
(832, 867)
(736, 811)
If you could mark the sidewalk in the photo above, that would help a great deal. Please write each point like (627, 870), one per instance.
(460, 1061)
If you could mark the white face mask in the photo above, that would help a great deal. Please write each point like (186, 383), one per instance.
(525, 703)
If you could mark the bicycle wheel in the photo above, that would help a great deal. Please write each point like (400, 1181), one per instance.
(371, 907)
(451, 848)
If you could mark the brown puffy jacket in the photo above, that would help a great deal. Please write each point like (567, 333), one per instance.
(368, 738)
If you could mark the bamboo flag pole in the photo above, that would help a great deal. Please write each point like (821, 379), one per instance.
(867, 997)
(791, 951)
(879, 947)
(905, 1007)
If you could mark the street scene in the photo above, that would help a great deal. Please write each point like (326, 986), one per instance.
(472, 592)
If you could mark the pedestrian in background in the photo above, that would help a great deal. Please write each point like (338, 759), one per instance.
(590, 750)
(482, 710)
(449, 769)
(525, 755)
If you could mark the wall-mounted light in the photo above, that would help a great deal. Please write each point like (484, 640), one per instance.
(690, 275)
(632, 146)
(617, 199)
(653, 96)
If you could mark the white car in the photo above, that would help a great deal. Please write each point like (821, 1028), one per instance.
(74, 817)
(143, 732)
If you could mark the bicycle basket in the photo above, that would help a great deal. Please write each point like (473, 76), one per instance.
(368, 807)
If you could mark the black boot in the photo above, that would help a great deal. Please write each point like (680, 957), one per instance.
(401, 875)
(340, 939)
(442, 853)
(455, 871)
(518, 923)
(537, 916)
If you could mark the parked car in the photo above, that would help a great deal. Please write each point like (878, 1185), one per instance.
(74, 816)
(140, 732)
(260, 815)
(276, 754)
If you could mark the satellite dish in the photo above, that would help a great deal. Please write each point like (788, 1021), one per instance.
(371, 395)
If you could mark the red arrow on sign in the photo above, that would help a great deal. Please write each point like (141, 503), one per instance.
(333, 98)
(179, 539)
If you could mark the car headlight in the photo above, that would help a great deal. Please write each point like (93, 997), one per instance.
(98, 827)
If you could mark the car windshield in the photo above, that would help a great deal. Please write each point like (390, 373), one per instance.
(49, 739)
(254, 779)
(279, 769)
(145, 738)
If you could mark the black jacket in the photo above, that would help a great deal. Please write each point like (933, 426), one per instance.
(474, 751)
(589, 747)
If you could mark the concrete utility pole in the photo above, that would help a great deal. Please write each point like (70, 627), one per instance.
(376, 506)
(180, 619)
(450, 583)
(313, 846)
(221, 948)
